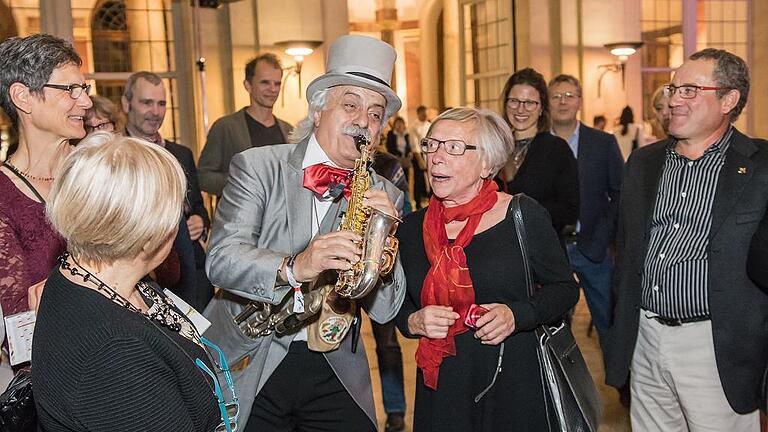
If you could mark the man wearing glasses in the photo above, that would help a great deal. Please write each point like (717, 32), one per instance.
(689, 323)
(600, 165)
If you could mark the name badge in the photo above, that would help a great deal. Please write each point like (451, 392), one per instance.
(198, 320)
(19, 328)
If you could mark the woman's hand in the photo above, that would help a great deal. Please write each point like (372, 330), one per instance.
(432, 321)
(496, 325)
(33, 294)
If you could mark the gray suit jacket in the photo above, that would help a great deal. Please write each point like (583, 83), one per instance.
(228, 136)
(264, 216)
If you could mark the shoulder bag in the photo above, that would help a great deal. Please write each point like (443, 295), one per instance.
(17, 406)
(566, 381)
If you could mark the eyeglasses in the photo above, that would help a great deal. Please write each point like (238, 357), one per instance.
(107, 125)
(563, 97)
(229, 411)
(688, 91)
(75, 90)
(529, 105)
(452, 147)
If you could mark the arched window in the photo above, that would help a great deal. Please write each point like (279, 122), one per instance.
(111, 46)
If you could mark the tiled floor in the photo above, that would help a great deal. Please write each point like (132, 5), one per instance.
(615, 418)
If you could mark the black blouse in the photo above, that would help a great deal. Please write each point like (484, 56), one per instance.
(550, 175)
(515, 402)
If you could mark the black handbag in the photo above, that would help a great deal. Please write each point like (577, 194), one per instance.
(565, 377)
(17, 406)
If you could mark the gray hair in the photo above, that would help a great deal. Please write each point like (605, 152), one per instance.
(493, 137)
(30, 61)
(317, 104)
(150, 77)
(306, 126)
(731, 72)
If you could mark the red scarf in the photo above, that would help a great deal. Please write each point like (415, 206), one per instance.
(448, 282)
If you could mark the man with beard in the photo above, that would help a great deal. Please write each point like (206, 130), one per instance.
(275, 232)
(252, 126)
(144, 102)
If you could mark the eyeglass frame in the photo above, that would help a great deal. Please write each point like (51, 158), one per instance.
(226, 420)
(669, 90)
(100, 126)
(425, 146)
(524, 102)
(70, 88)
(560, 97)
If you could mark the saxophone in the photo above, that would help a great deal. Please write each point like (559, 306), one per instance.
(379, 248)
(259, 319)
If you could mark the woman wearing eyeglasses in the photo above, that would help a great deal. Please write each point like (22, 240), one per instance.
(541, 165)
(44, 93)
(104, 115)
(462, 250)
(111, 352)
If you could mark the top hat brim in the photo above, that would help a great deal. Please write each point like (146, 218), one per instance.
(337, 79)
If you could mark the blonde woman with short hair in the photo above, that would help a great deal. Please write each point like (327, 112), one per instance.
(112, 352)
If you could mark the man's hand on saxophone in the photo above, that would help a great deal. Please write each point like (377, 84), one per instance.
(336, 250)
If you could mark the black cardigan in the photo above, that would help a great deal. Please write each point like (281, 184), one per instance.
(100, 367)
(550, 175)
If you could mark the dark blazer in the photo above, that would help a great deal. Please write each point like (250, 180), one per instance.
(600, 167)
(738, 308)
(549, 174)
(200, 291)
(228, 136)
(194, 197)
(757, 261)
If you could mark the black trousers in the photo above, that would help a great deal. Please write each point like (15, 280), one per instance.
(305, 395)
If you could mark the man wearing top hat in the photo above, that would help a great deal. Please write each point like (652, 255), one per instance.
(271, 232)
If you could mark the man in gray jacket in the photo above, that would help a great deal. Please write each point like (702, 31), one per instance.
(275, 228)
(252, 126)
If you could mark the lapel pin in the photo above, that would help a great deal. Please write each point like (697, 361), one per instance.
(742, 170)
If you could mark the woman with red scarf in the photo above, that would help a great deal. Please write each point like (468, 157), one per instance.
(461, 251)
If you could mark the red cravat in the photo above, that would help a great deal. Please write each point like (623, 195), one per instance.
(318, 178)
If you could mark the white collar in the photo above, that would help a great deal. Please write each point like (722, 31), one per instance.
(315, 154)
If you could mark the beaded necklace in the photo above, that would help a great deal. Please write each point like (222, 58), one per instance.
(26, 174)
(162, 310)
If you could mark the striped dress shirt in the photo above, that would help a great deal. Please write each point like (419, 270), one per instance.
(675, 273)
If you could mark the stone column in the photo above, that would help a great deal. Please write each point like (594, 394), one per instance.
(56, 18)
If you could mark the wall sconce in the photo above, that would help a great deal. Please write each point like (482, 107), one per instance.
(298, 50)
(622, 50)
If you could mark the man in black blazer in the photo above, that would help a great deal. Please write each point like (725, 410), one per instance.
(144, 101)
(689, 323)
(600, 166)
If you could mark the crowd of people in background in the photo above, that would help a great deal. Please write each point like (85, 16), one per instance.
(99, 214)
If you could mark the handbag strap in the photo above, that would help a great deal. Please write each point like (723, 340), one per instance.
(517, 215)
(26, 182)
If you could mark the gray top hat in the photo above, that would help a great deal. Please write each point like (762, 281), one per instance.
(360, 61)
